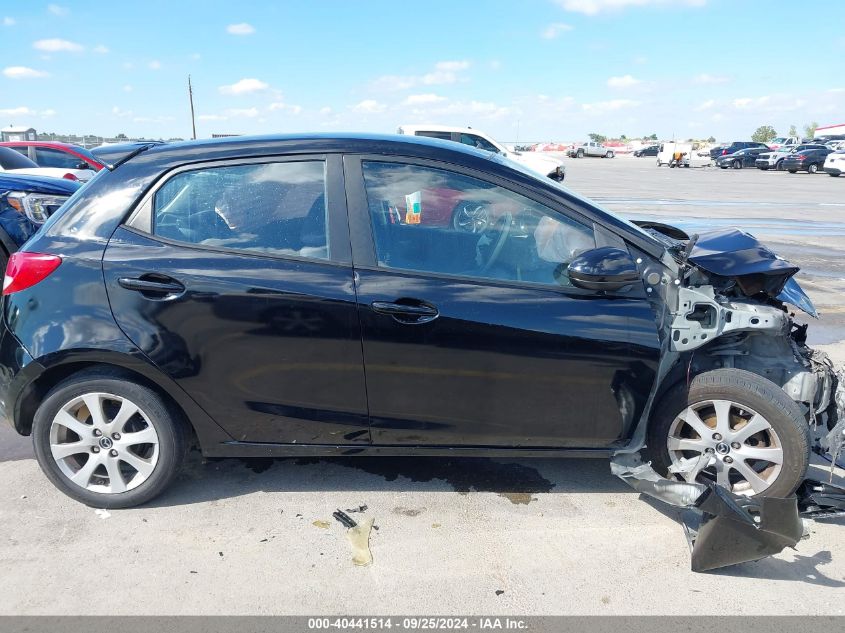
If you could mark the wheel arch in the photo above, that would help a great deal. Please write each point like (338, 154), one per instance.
(206, 432)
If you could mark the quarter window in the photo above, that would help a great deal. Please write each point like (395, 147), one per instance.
(473, 140)
(272, 208)
(48, 157)
(438, 221)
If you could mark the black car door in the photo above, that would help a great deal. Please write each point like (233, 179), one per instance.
(471, 334)
(235, 279)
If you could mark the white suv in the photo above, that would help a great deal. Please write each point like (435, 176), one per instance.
(535, 161)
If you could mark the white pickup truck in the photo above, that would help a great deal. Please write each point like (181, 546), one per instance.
(784, 141)
(535, 161)
(590, 148)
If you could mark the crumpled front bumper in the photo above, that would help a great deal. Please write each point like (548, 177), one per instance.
(726, 529)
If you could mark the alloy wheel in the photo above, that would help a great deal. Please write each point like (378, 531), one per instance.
(745, 453)
(104, 443)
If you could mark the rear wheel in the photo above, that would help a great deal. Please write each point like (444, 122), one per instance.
(755, 436)
(793, 171)
(812, 168)
(106, 441)
(779, 165)
(579, 153)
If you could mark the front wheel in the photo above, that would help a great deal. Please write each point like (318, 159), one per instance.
(779, 165)
(756, 437)
(609, 155)
(737, 164)
(106, 441)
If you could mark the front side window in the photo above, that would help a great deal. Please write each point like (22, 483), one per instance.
(476, 141)
(433, 220)
(48, 157)
(272, 208)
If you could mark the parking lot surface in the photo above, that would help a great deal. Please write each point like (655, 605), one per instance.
(472, 536)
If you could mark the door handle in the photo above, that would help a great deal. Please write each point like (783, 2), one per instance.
(410, 311)
(152, 287)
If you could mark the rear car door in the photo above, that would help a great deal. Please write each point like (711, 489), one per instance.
(235, 279)
(472, 334)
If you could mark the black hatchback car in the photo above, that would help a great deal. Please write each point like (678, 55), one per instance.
(741, 158)
(809, 160)
(344, 295)
(730, 148)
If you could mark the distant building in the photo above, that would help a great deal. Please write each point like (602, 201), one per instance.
(829, 130)
(12, 133)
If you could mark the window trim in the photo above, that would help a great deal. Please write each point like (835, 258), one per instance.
(364, 256)
(141, 218)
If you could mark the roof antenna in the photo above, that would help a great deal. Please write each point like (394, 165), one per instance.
(191, 99)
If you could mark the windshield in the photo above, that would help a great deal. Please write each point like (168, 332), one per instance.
(12, 159)
(586, 201)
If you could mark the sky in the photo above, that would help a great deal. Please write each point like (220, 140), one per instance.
(522, 71)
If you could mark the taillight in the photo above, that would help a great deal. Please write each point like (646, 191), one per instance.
(724, 151)
(70, 176)
(800, 157)
(24, 270)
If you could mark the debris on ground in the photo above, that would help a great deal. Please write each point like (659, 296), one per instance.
(359, 539)
(323, 525)
(344, 519)
(362, 508)
(103, 514)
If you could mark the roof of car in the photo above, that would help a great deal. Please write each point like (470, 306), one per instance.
(337, 142)
(439, 128)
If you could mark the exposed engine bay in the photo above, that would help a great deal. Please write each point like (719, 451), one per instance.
(723, 301)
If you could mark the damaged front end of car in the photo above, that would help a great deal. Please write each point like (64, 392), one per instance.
(722, 301)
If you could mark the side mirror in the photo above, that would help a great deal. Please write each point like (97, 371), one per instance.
(82, 165)
(604, 268)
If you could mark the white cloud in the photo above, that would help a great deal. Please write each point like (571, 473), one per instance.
(445, 72)
(248, 113)
(625, 81)
(594, 7)
(117, 111)
(325, 110)
(19, 111)
(286, 107)
(707, 105)
(705, 79)
(609, 106)
(154, 65)
(369, 106)
(241, 28)
(423, 99)
(7, 21)
(55, 9)
(127, 88)
(23, 72)
(100, 49)
(56, 45)
(553, 30)
(48, 113)
(244, 86)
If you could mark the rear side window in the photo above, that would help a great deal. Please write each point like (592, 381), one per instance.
(272, 208)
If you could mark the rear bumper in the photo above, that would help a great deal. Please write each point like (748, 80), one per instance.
(15, 366)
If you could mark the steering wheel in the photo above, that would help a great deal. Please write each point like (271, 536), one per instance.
(470, 218)
(502, 226)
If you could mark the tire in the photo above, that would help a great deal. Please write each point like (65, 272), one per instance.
(162, 457)
(579, 153)
(812, 168)
(737, 164)
(659, 164)
(609, 155)
(779, 165)
(834, 175)
(764, 168)
(793, 171)
(763, 400)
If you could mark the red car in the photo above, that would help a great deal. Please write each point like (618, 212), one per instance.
(52, 154)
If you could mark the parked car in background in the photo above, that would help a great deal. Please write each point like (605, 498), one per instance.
(115, 152)
(835, 145)
(590, 148)
(809, 160)
(155, 306)
(774, 159)
(783, 141)
(692, 155)
(742, 158)
(834, 164)
(26, 202)
(14, 161)
(61, 155)
(730, 148)
(651, 150)
(543, 164)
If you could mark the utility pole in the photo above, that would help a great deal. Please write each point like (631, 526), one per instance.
(191, 99)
